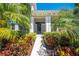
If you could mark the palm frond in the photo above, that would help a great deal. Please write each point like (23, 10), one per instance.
(6, 33)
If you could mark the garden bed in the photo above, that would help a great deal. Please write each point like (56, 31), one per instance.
(18, 46)
(59, 44)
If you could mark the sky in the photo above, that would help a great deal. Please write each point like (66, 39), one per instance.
(55, 6)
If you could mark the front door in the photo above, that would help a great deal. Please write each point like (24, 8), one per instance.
(38, 28)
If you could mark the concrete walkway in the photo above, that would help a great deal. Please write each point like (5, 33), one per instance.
(36, 45)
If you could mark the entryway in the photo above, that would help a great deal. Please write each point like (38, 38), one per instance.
(39, 25)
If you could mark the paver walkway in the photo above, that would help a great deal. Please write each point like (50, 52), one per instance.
(37, 45)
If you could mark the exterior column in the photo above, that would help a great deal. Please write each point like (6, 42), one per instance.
(32, 25)
(48, 23)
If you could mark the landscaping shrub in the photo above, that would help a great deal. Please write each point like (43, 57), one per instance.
(6, 33)
(32, 35)
(74, 38)
(51, 39)
(5, 36)
(66, 43)
(70, 38)
(19, 46)
(64, 39)
(66, 51)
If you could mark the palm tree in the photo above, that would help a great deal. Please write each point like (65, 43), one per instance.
(16, 13)
(12, 13)
(63, 20)
(69, 22)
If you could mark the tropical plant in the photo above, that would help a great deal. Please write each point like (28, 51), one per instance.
(51, 39)
(31, 35)
(68, 22)
(28, 38)
(2, 23)
(17, 13)
(6, 33)
(63, 20)
(66, 51)
(12, 13)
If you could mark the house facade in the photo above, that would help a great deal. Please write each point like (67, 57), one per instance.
(41, 19)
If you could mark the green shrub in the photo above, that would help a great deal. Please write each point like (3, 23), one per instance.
(6, 33)
(32, 35)
(28, 38)
(74, 38)
(64, 38)
(54, 34)
(51, 38)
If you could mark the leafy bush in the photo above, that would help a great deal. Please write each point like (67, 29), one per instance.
(6, 33)
(51, 38)
(66, 51)
(74, 38)
(18, 46)
(54, 34)
(64, 38)
(31, 35)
